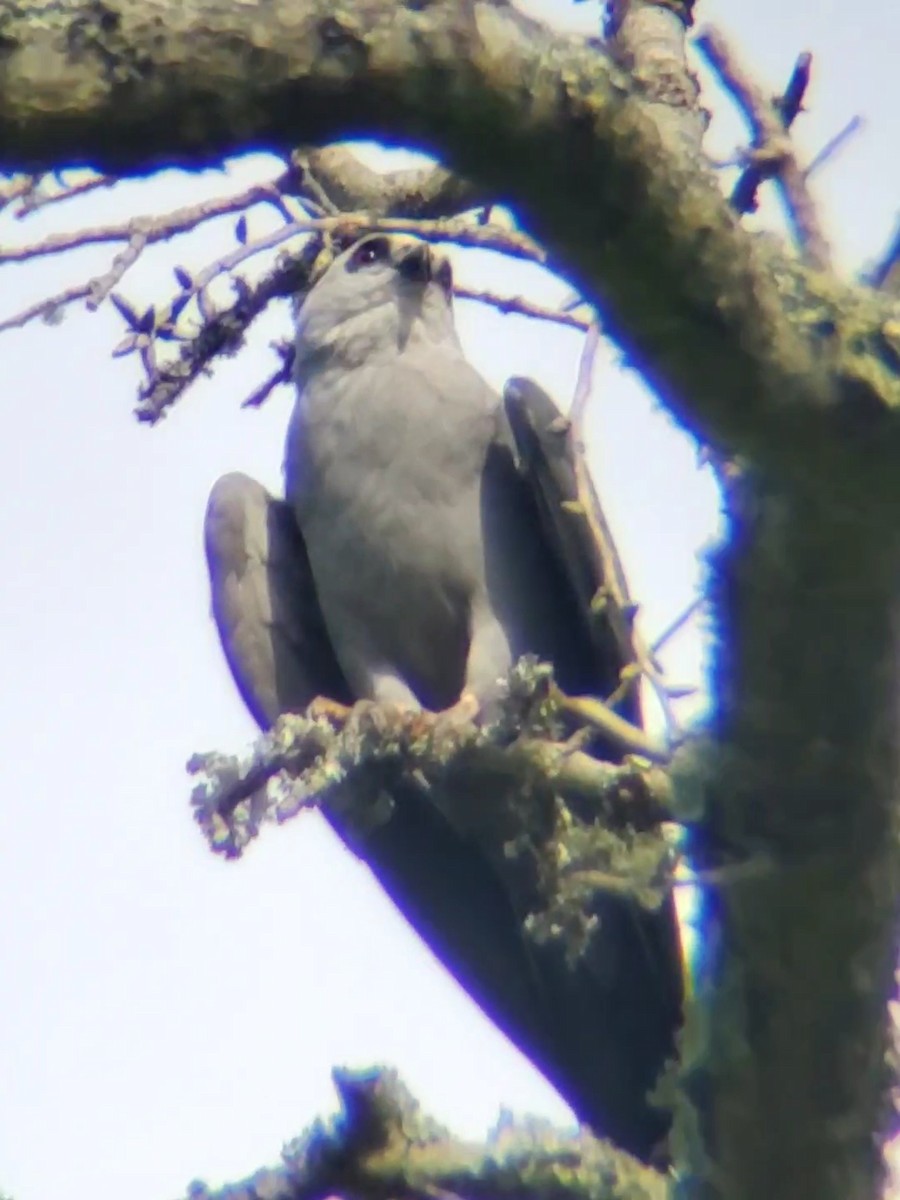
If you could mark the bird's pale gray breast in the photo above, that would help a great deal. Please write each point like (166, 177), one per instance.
(384, 466)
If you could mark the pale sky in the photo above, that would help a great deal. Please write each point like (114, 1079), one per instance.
(164, 1015)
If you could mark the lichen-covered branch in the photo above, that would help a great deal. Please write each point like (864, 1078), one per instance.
(381, 1144)
(788, 1059)
(321, 759)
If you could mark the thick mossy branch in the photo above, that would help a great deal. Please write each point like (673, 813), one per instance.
(381, 1144)
(754, 353)
(799, 844)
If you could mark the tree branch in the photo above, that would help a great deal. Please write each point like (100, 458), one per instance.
(788, 1044)
(322, 761)
(751, 351)
(381, 1144)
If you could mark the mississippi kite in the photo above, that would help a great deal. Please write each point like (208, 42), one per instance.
(428, 539)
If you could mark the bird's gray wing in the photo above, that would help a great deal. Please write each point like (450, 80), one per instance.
(600, 1028)
(631, 977)
(264, 602)
(574, 529)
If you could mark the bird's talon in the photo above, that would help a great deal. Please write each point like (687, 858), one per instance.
(466, 709)
(325, 709)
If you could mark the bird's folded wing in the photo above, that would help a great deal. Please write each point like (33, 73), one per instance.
(264, 602)
(573, 524)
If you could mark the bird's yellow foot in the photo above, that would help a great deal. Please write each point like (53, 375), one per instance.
(467, 708)
(324, 708)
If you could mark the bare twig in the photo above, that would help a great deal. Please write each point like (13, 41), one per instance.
(49, 309)
(104, 284)
(584, 382)
(886, 273)
(162, 228)
(635, 650)
(833, 145)
(771, 155)
(522, 307)
(628, 738)
(143, 231)
(282, 375)
(679, 622)
(94, 292)
(150, 228)
(137, 235)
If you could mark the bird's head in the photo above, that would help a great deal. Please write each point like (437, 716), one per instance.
(385, 292)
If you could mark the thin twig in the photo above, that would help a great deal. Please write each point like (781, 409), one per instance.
(628, 738)
(680, 621)
(125, 259)
(584, 382)
(283, 375)
(885, 274)
(47, 309)
(143, 231)
(151, 228)
(522, 307)
(831, 147)
(634, 649)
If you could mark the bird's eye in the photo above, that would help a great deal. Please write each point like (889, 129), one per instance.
(371, 251)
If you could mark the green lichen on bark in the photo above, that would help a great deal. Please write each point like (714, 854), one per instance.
(798, 843)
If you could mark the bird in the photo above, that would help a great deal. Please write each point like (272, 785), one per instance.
(432, 533)
(406, 492)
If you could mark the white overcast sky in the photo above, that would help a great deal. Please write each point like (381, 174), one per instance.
(164, 1015)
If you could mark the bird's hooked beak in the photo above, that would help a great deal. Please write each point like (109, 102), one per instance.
(419, 263)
